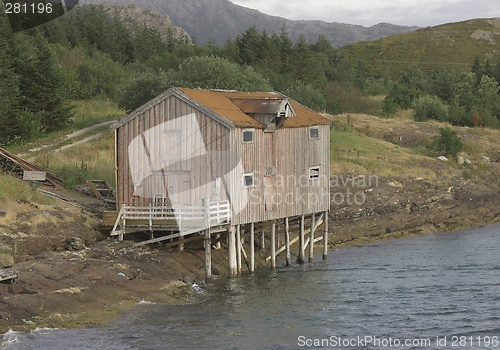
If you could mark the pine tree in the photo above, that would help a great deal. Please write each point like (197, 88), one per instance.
(40, 81)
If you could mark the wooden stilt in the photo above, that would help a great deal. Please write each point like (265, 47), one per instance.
(181, 245)
(287, 242)
(301, 258)
(252, 247)
(311, 240)
(273, 246)
(217, 238)
(238, 248)
(233, 272)
(278, 236)
(262, 240)
(325, 237)
(208, 255)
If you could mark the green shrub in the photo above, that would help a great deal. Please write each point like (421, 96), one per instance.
(448, 142)
(428, 107)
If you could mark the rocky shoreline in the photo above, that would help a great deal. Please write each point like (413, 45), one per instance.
(73, 276)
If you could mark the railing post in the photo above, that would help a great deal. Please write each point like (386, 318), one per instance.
(206, 210)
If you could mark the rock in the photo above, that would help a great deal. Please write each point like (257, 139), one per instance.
(6, 258)
(443, 158)
(466, 161)
(74, 243)
(460, 160)
(485, 159)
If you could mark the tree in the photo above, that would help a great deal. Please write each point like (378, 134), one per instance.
(307, 95)
(218, 73)
(142, 89)
(9, 85)
(448, 142)
(428, 107)
(41, 82)
(410, 87)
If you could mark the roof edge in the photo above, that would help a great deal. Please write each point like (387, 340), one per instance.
(173, 91)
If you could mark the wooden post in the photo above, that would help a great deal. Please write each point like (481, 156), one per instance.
(311, 240)
(325, 237)
(238, 248)
(278, 238)
(181, 245)
(252, 247)
(301, 258)
(262, 240)
(217, 238)
(232, 252)
(287, 242)
(208, 255)
(273, 246)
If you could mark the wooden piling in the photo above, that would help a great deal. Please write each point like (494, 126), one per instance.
(301, 258)
(238, 248)
(217, 238)
(233, 272)
(287, 242)
(252, 247)
(273, 246)
(325, 237)
(311, 240)
(208, 255)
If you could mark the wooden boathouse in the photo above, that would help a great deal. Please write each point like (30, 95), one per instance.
(219, 163)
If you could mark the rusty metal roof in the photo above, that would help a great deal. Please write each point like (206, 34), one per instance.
(234, 106)
(218, 102)
(260, 106)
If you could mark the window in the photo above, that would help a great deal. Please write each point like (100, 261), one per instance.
(248, 135)
(314, 133)
(314, 173)
(248, 180)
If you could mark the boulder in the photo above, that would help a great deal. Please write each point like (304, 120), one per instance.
(486, 159)
(443, 158)
(74, 243)
(6, 256)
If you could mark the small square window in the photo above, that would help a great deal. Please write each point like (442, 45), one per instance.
(314, 133)
(248, 135)
(248, 180)
(314, 173)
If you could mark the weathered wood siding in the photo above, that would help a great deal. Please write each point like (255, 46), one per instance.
(197, 169)
(293, 193)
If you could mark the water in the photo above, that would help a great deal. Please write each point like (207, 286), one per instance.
(412, 292)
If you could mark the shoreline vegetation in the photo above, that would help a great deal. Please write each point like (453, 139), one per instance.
(71, 275)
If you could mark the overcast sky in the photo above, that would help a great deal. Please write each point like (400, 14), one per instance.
(420, 13)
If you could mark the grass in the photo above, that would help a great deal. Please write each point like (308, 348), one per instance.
(450, 45)
(86, 113)
(356, 153)
(13, 189)
(91, 112)
(93, 160)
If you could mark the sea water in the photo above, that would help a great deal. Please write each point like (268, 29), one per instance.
(439, 291)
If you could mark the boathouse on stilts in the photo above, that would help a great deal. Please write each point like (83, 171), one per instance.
(224, 166)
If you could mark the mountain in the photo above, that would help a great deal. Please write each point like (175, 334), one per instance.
(452, 46)
(217, 20)
(132, 14)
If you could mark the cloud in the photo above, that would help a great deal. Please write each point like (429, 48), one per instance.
(367, 13)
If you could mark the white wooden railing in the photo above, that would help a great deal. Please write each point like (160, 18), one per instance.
(183, 216)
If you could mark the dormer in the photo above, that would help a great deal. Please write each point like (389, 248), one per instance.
(271, 112)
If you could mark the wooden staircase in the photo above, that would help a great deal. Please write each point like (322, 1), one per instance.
(102, 190)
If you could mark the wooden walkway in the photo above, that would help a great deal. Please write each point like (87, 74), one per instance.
(184, 219)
